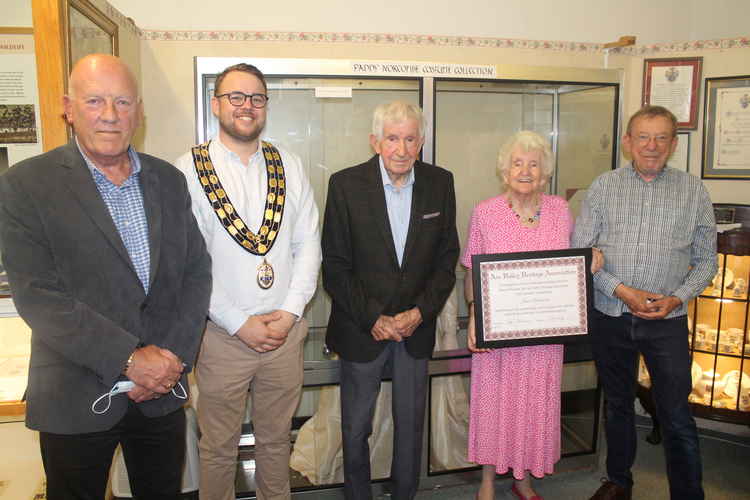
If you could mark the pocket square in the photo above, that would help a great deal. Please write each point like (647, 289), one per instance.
(430, 216)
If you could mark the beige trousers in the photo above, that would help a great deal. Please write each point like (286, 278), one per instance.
(225, 370)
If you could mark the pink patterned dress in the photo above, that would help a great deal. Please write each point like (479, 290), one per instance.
(515, 391)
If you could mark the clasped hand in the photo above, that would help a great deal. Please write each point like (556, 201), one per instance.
(154, 371)
(397, 327)
(266, 332)
(647, 305)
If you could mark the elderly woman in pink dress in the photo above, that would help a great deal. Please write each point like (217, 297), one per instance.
(515, 391)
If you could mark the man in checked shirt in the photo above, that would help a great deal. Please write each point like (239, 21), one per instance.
(656, 228)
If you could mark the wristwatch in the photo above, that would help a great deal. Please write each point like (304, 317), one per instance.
(128, 363)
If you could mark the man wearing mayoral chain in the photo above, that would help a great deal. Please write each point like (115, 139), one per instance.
(255, 207)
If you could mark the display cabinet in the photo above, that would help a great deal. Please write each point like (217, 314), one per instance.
(719, 340)
(322, 111)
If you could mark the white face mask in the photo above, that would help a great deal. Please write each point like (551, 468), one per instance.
(123, 386)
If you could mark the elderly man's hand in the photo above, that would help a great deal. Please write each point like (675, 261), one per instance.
(407, 321)
(661, 307)
(140, 394)
(385, 329)
(640, 302)
(156, 369)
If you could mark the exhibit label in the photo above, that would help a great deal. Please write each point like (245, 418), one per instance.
(401, 68)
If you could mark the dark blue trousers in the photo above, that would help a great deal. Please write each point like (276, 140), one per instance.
(616, 342)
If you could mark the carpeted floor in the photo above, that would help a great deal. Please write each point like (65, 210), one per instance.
(726, 460)
(726, 466)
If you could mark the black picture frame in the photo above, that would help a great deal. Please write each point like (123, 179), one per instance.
(531, 260)
(713, 121)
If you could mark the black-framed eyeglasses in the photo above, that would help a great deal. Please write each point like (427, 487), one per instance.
(238, 99)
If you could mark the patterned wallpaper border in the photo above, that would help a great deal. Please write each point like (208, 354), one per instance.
(118, 17)
(436, 41)
(719, 44)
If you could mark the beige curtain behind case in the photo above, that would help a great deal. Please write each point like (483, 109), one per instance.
(317, 451)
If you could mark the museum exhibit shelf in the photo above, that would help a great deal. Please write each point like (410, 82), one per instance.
(719, 340)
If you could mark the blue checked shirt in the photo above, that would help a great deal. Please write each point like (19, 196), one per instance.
(125, 205)
(658, 236)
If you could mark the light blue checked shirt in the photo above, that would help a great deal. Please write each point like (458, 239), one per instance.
(398, 202)
(125, 205)
(658, 236)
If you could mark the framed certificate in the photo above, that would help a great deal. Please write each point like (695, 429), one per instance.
(680, 159)
(673, 83)
(726, 128)
(532, 298)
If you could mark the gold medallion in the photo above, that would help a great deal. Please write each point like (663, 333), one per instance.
(265, 275)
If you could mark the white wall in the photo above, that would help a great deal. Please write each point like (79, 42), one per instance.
(16, 13)
(597, 21)
(712, 19)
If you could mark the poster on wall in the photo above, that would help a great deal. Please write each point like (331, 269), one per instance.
(20, 130)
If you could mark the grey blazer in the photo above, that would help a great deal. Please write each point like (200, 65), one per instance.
(74, 284)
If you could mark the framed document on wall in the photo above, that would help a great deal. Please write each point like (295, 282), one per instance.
(673, 83)
(531, 298)
(680, 159)
(726, 128)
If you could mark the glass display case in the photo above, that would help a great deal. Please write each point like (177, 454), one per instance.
(321, 111)
(719, 340)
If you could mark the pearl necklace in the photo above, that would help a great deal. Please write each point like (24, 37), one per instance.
(528, 220)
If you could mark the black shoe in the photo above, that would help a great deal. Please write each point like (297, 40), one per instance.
(611, 491)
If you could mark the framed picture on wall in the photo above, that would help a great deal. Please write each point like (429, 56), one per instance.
(674, 83)
(89, 31)
(726, 128)
(680, 159)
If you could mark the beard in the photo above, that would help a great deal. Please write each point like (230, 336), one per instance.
(229, 127)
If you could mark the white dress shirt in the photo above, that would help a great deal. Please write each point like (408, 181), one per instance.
(295, 255)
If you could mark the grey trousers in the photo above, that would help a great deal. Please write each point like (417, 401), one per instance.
(360, 385)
